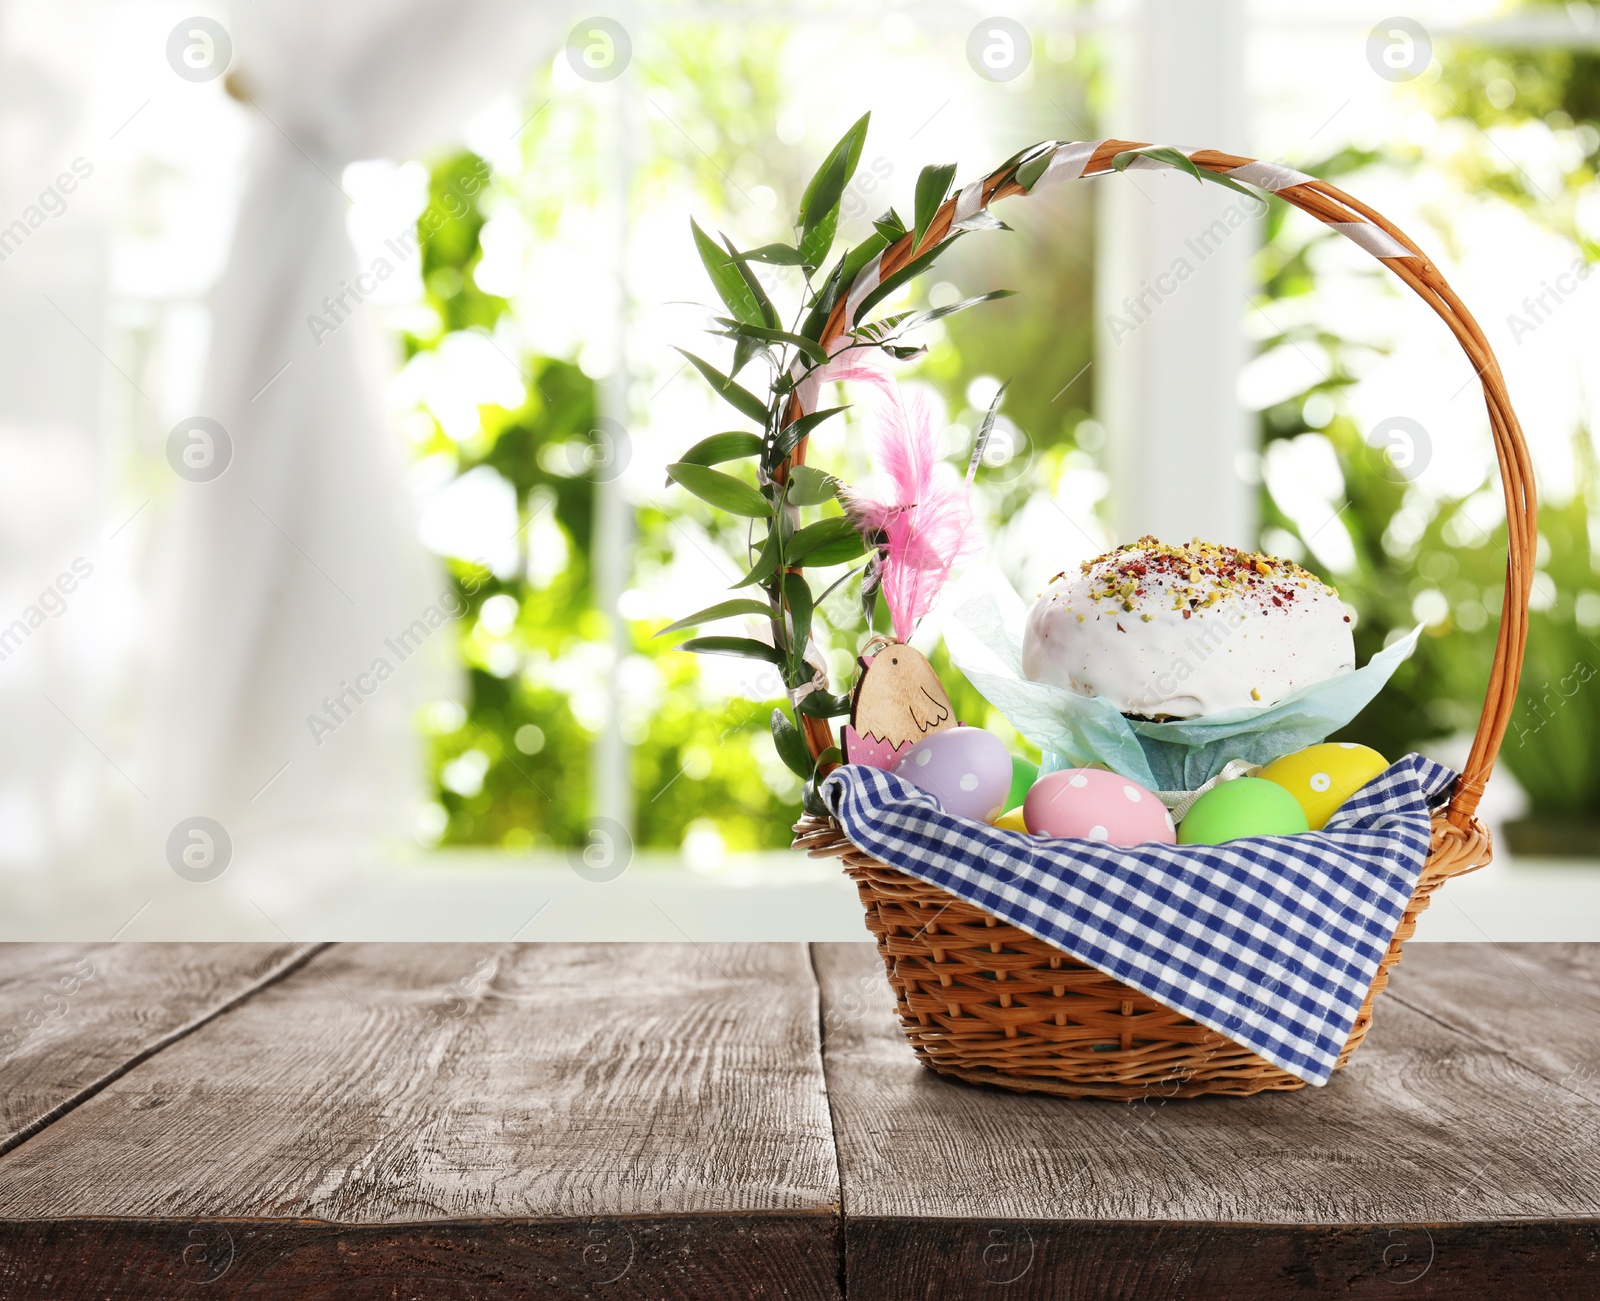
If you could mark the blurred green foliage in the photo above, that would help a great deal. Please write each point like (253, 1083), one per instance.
(512, 769)
(449, 230)
(1420, 559)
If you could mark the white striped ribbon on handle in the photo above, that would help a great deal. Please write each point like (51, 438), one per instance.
(1067, 163)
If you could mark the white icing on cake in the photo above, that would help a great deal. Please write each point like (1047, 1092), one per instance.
(1180, 632)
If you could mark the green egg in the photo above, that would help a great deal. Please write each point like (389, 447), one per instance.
(1245, 806)
(1023, 776)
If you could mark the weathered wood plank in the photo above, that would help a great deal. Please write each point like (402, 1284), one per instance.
(1021, 1260)
(451, 1111)
(1539, 1003)
(1427, 1132)
(74, 1016)
(662, 1258)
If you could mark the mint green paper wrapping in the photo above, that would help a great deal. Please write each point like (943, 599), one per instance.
(984, 634)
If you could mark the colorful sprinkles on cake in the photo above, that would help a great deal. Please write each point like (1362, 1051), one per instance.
(1119, 626)
(1196, 575)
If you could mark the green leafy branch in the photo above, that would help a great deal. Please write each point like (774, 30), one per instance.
(783, 544)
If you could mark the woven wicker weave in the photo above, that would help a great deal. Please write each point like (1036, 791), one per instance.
(984, 1001)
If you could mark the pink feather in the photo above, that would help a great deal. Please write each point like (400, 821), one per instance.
(926, 516)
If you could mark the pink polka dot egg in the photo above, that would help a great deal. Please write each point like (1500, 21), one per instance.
(1092, 804)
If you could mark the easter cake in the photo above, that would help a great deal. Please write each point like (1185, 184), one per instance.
(1170, 632)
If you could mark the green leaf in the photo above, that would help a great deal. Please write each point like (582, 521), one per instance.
(1032, 151)
(845, 548)
(722, 610)
(766, 563)
(769, 313)
(744, 349)
(1029, 173)
(774, 255)
(915, 319)
(913, 268)
(1159, 153)
(933, 184)
(810, 798)
(881, 331)
(827, 542)
(736, 394)
(744, 647)
(817, 240)
(797, 600)
(878, 331)
(790, 435)
(721, 490)
(823, 303)
(791, 744)
(728, 278)
(809, 486)
(1176, 158)
(824, 704)
(890, 226)
(810, 347)
(819, 206)
(1031, 162)
(859, 256)
(723, 447)
(825, 188)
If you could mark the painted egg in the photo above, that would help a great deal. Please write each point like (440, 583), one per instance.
(1093, 804)
(966, 769)
(1011, 820)
(1024, 772)
(1245, 806)
(1322, 777)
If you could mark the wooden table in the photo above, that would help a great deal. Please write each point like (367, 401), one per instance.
(444, 1122)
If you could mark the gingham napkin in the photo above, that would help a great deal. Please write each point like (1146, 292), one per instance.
(1272, 941)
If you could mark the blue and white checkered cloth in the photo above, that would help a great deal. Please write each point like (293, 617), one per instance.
(1272, 941)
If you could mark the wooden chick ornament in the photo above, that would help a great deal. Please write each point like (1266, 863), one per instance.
(922, 524)
(898, 700)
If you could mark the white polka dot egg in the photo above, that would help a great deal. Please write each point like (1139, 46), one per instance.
(1092, 804)
(966, 769)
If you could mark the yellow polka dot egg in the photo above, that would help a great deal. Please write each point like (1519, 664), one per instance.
(1322, 777)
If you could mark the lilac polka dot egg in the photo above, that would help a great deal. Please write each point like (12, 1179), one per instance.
(1092, 804)
(966, 769)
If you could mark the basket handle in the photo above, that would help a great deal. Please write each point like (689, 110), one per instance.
(1055, 161)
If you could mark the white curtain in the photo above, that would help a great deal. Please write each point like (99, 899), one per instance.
(290, 576)
(59, 384)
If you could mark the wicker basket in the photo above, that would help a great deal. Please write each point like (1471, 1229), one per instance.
(984, 1001)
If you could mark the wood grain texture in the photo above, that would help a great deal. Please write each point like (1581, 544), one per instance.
(675, 1258)
(1019, 1260)
(460, 1109)
(1538, 1003)
(1427, 1127)
(74, 1016)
